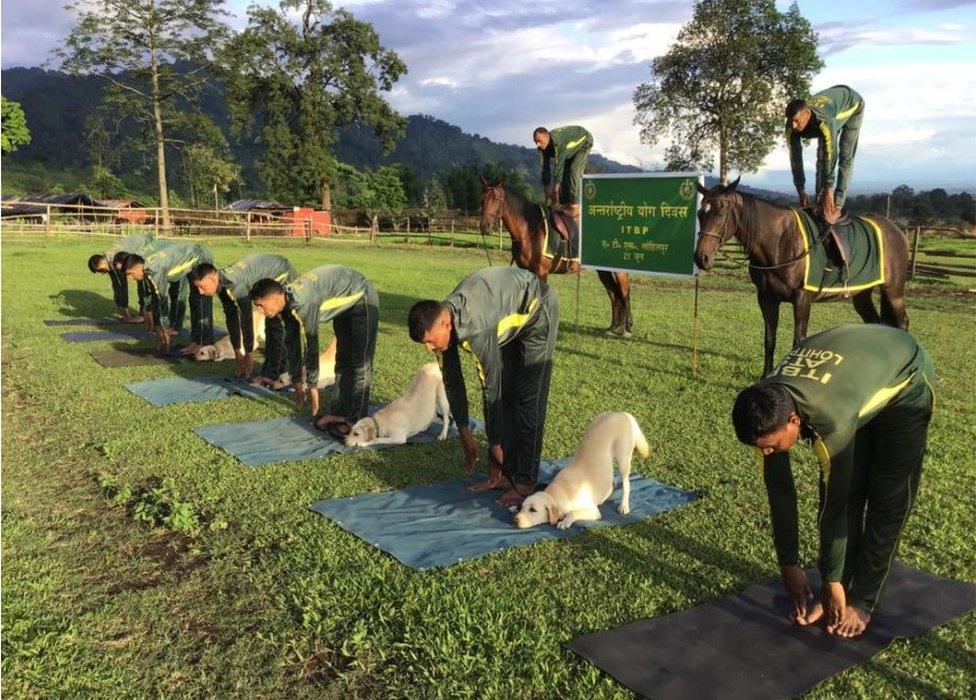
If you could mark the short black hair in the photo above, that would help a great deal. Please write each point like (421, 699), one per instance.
(794, 106)
(422, 317)
(200, 271)
(132, 260)
(118, 261)
(94, 261)
(761, 409)
(540, 130)
(266, 287)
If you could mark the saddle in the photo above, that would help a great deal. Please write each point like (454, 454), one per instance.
(564, 224)
(836, 237)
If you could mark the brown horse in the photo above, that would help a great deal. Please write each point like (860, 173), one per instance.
(527, 228)
(776, 253)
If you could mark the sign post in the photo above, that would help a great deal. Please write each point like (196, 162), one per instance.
(642, 223)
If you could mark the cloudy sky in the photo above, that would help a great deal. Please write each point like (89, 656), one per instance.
(501, 67)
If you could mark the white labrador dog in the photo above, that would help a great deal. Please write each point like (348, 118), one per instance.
(408, 415)
(581, 486)
(223, 349)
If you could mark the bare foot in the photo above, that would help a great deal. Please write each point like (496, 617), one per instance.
(514, 497)
(326, 419)
(815, 613)
(495, 481)
(853, 624)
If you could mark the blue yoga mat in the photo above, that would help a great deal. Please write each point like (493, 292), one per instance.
(121, 333)
(173, 390)
(293, 438)
(443, 523)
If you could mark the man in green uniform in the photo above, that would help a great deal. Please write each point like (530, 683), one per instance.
(862, 394)
(328, 293)
(112, 263)
(563, 151)
(232, 286)
(833, 117)
(507, 319)
(165, 274)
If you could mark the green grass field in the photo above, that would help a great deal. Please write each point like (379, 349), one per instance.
(138, 560)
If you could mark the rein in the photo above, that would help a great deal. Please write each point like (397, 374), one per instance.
(795, 259)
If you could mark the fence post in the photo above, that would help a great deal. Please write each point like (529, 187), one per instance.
(452, 233)
(48, 220)
(918, 230)
(406, 235)
(247, 229)
(156, 225)
(308, 231)
(374, 229)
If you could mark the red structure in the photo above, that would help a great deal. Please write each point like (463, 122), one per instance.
(321, 221)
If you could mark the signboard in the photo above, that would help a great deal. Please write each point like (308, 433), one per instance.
(645, 223)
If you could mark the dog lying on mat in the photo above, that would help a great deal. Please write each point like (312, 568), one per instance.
(581, 486)
(223, 349)
(410, 414)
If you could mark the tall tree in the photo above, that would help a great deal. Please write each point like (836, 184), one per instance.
(723, 84)
(13, 126)
(297, 74)
(134, 45)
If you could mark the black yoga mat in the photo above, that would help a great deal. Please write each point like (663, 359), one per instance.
(103, 321)
(132, 357)
(744, 646)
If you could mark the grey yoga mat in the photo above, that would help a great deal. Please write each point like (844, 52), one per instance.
(291, 439)
(174, 390)
(744, 646)
(443, 523)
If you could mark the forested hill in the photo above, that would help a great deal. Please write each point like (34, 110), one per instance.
(56, 106)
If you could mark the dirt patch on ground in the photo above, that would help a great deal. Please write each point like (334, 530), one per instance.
(172, 558)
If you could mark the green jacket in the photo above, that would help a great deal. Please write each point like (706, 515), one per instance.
(831, 109)
(317, 297)
(170, 265)
(489, 309)
(141, 245)
(235, 290)
(840, 380)
(564, 143)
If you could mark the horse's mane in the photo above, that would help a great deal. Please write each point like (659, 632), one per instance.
(528, 210)
(749, 217)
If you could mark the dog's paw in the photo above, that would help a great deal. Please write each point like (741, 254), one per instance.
(442, 437)
(564, 524)
(623, 508)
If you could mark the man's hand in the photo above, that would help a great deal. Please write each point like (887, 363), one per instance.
(834, 603)
(497, 455)
(260, 380)
(313, 395)
(148, 318)
(554, 194)
(191, 349)
(829, 206)
(164, 337)
(243, 363)
(804, 199)
(798, 589)
(470, 447)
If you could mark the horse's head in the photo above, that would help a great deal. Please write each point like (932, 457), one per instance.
(717, 220)
(492, 204)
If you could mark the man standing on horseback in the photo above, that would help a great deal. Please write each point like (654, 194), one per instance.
(833, 117)
(564, 152)
(863, 397)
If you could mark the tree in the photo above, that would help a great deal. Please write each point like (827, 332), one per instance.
(206, 170)
(723, 84)
(293, 83)
(105, 184)
(13, 126)
(134, 45)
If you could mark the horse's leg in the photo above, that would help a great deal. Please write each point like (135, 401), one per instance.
(770, 314)
(801, 316)
(623, 285)
(893, 311)
(864, 306)
(606, 278)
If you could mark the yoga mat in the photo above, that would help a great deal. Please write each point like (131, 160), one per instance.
(443, 523)
(132, 357)
(293, 438)
(173, 390)
(745, 647)
(102, 321)
(120, 333)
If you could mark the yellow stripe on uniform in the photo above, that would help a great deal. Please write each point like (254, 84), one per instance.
(516, 320)
(282, 277)
(848, 112)
(574, 144)
(181, 268)
(481, 370)
(882, 397)
(336, 302)
(828, 143)
(823, 456)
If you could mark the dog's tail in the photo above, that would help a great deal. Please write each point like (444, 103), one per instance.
(640, 442)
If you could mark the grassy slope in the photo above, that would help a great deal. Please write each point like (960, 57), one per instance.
(272, 599)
